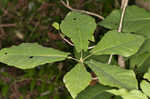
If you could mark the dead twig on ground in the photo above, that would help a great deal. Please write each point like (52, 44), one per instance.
(67, 5)
(7, 25)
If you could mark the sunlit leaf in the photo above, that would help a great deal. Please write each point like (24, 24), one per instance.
(77, 80)
(133, 94)
(140, 62)
(136, 20)
(113, 42)
(80, 28)
(93, 91)
(113, 75)
(145, 86)
(147, 75)
(56, 25)
(30, 55)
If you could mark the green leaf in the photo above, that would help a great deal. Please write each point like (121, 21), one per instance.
(145, 86)
(147, 75)
(140, 62)
(104, 95)
(113, 75)
(136, 20)
(92, 91)
(145, 47)
(30, 55)
(133, 94)
(77, 80)
(56, 25)
(113, 42)
(80, 28)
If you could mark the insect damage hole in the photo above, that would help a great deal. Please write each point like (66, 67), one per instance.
(116, 23)
(5, 53)
(31, 57)
(74, 18)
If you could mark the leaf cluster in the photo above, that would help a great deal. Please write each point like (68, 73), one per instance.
(132, 43)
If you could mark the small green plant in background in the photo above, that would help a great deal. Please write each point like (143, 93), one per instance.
(132, 42)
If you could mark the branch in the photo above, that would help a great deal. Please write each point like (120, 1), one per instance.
(91, 47)
(67, 5)
(121, 61)
(110, 58)
(124, 4)
(70, 43)
(123, 7)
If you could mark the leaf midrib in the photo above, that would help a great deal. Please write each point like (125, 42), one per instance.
(39, 55)
(144, 19)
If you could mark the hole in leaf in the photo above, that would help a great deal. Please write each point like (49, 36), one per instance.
(116, 24)
(74, 18)
(5, 53)
(31, 57)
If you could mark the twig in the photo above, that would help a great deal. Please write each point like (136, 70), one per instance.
(7, 25)
(124, 4)
(123, 7)
(45, 93)
(95, 78)
(70, 43)
(91, 47)
(67, 5)
(110, 58)
(73, 58)
(121, 61)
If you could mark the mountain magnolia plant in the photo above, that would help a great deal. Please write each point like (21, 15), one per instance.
(133, 43)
